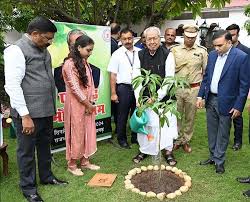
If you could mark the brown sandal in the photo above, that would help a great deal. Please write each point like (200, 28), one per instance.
(139, 157)
(170, 159)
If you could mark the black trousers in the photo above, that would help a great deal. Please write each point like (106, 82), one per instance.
(238, 129)
(39, 140)
(114, 114)
(126, 104)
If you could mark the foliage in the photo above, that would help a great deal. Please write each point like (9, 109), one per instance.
(101, 11)
(11, 18)
(3, 95)
(247, 23)
(149, 82)
(14, 15)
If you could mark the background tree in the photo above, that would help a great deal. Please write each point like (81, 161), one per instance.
(247, 23)
(11, 17)
(99, 12)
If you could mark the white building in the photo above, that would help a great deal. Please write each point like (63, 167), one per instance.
(232, 13)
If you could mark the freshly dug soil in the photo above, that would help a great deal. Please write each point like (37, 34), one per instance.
(151, 181)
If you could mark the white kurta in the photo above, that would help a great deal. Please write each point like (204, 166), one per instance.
(168, 134)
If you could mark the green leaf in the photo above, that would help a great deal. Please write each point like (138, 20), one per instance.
(162, 121)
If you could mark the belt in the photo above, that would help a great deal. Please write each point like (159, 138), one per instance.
(124, 84)
(214, 94)
(193, 85)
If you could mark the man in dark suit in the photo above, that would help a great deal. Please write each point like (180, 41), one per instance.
(238, 122)
(115, 34)
(225, 87)
(245, 179)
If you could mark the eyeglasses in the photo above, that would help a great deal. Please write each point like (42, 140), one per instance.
(47, 38)
(152, 39)
(127, 39)
(220, 45)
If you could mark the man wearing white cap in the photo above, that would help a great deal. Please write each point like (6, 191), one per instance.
(191, 60)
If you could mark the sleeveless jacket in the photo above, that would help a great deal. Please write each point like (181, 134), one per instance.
(38, 83)
(155, 63)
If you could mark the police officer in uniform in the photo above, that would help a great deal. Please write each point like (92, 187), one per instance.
(191, 60)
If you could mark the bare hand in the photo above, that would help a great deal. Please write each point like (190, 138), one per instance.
(114, 98)
(89, 109)
(199, 103)
(235, 113)
(150, 101)
(28, 125)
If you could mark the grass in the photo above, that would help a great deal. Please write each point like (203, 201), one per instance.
(207, 185)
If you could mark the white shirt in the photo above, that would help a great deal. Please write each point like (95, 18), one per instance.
(220, 62)
(122, 63)
(169, 71)
(14, 68)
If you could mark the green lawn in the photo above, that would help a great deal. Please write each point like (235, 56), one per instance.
(207, 185)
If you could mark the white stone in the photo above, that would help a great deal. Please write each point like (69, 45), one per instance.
(171, 196)
(163, 167)
(135, 190)
(188, 183)
(132, 172)
(150, 167)
(128, 177)
(187, 178)
(178, 192)
(174, 169)
(184, 189)
(127, 182)
(138, 170)
(151, 194)
(177, 172)
(161, 196)
(143, 193)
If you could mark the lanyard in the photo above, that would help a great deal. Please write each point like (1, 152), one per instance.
(133, 60)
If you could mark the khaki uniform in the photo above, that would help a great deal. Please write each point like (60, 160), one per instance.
(190, 63)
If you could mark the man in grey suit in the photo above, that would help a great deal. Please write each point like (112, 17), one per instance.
(29, 83)
(225, 87)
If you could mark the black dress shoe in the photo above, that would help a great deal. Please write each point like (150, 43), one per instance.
(55, 181)
(134, 142)
(125, 146)
(236, 146)
(206, 162)
(219, 169)
(243, 179)
(247, 193)
(33, 197)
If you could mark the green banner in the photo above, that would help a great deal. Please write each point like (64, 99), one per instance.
(98, 61)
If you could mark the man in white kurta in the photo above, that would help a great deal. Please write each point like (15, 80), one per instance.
(161, 62)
